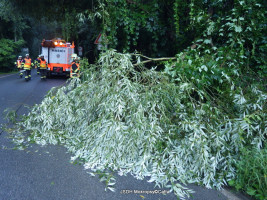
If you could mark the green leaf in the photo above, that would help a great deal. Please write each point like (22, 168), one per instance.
(231, 182)
(251, 191)
(238, 29)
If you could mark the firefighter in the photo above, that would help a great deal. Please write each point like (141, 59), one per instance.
(75, 67)
(19, 65)
(43, 67)
(27, 61)
(37, 64)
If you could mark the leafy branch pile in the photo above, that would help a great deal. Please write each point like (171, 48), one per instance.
(134, 120)
(226, 66)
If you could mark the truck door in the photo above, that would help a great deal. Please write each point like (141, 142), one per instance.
(57, 55)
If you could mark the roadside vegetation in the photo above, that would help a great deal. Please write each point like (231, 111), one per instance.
(251, 172)
(8, 50)
(188, 108)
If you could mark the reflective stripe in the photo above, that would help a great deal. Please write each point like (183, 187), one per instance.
(73, 75)
(27, 67)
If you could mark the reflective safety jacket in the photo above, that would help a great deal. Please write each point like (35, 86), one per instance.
(19, 63)
(27, 63)
(37, 62)
(42, 64)
(75, 68)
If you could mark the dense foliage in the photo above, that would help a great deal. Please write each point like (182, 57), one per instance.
(226, 65)
(11, 26)
(251, 173)
(8, 51)
(147, 26)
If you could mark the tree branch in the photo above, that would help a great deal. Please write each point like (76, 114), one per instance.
(152, 59)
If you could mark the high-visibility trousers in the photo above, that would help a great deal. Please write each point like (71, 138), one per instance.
(28, 74)
(75, 73)
(43, 72)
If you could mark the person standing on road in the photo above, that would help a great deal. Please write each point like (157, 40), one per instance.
(27, 67)
(19, 65)
(37, 64)
(75, 68)
(43, 67)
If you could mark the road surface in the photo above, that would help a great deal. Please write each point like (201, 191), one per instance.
(45, 173)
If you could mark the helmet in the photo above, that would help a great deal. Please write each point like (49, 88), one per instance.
(27, 54)
(41, 55)
(20, 56)
(74, 56)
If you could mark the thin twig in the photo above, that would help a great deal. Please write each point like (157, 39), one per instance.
(152, 59)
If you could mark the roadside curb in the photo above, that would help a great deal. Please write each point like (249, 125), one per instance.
(232, 195)
(7, 74)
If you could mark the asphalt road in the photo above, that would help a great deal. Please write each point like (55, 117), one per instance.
(45, 173)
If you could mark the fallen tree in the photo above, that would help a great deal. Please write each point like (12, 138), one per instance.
(129, 119)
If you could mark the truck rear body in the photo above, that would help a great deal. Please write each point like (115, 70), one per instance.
(58, 53)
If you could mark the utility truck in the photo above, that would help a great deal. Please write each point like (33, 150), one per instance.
(57, 53)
